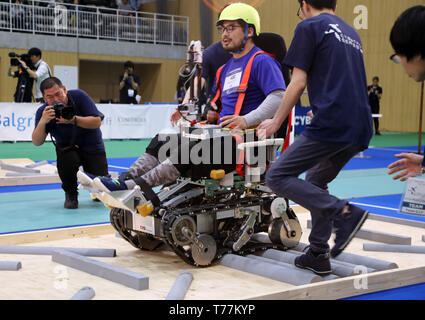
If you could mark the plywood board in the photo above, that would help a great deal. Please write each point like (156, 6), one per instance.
(40, 278)
(47, 174)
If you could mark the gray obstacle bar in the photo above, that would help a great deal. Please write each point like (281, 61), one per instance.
(288, 265)
(378, 236)
(37, 164)
(340, 269)
(180, 286)
(290, 275)
(358, 260)
(88, 252)
(116, 274)
(399, 221)
(86, 293)
(11, 167)
(10, 265)
(393, 248)
(25, 174)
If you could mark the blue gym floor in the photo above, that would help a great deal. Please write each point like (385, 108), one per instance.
(364, 181)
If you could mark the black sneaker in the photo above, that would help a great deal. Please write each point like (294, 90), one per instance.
(347, 225)
(320, 264)
(71, 201)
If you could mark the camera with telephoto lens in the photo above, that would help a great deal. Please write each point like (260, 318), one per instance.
(63, 110)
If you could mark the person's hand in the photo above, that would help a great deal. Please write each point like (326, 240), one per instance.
(267, 128)
(211, 116)
(175, 117)
(310, 114)
(234, 122)
(125, 75)
(65, 121)
(23, 64)
(410, 165)
(48, 115)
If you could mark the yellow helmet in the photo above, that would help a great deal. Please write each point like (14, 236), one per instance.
(241, 11)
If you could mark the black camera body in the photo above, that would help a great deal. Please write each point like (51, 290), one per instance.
(24, 57)
(62, 110)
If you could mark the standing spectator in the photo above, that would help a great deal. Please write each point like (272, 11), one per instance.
(41, 72)
(125, 8)
(326, 54)
(408, 41)
(129, 85)
(375, 95)
(17, 13)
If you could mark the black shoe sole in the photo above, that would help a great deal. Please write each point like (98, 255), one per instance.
(319, 273)
(336, 252)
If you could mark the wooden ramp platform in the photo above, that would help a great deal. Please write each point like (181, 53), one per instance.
(48, 174)
(41, 279)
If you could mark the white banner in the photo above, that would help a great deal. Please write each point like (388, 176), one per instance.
(17, 120)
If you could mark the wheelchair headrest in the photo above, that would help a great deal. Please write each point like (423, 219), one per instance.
(272, 43)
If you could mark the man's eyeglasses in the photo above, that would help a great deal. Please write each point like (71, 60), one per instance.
(299, 13)
(228, 29)
(395, 58)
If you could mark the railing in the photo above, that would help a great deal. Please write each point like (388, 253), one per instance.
(63, 19)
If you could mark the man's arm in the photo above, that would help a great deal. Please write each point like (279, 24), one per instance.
(292, 95)
(90, 122)
(266, 110)
(39, 134)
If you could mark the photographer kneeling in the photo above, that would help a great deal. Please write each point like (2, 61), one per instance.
(72, 119)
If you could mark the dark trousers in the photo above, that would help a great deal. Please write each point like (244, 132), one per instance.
(69, 161)
(375, 110)
(323, 162)
(223, 154)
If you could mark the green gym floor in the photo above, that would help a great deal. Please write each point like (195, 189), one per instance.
(39, 207)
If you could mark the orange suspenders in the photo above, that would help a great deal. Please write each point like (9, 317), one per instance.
(242, 87)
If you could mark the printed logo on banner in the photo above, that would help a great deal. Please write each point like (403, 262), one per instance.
(17, 121)
(413, 200)
(302, 120)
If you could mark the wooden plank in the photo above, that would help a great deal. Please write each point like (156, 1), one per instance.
(56, 234)
(352, 286)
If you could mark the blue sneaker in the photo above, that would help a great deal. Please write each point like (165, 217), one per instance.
(347, 225)
(109, 185)
(318, 263)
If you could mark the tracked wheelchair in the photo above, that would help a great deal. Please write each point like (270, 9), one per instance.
(203, 217)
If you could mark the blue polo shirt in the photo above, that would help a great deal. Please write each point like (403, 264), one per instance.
(266, 77)
(88, 140)
(331, 53)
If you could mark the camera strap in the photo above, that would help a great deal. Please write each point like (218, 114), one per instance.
(74, 129)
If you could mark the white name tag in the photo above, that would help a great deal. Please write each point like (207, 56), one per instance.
(233, 81)
(130, 92)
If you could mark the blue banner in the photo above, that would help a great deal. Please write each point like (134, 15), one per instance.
(301, 118)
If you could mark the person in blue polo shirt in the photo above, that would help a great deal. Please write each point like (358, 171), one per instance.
(238, 24)
(408, 40)
(77, 137)
(326, 55)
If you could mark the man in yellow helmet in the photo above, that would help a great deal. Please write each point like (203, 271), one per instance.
(238, 24)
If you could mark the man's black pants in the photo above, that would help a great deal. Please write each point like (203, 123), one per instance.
(69, 161)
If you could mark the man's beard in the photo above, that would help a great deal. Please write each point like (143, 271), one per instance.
(232, 47)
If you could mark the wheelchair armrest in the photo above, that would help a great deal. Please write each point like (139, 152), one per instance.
(262, 143)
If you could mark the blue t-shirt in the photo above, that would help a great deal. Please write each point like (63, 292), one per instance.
(88, 140)
(331, 53)
(266, 77)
